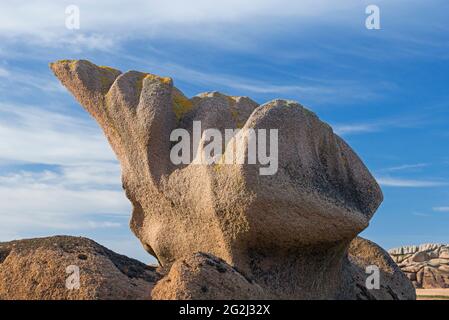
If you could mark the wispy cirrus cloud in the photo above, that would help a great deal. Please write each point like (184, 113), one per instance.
(409, 183)
(46, 19)
(230, 24)
(441, 209)
(302, 88)
(421, 214)
(384, 178)
(25, 79)
(4, 73)
(405, 167)
(377, 125)
(348, 129)
(60, 173)
(34, 134)
(51, 200)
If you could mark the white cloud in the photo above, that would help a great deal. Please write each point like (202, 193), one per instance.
(409, 183)
(405, 167)
(322, 91)
(32, 134)
(81, 178)
(14, 78)
(222, 22)
(103, 224)
(4, 73)
(347, 129)
(420, 214)
(404, 122)
(48, 200)
(49, 194)
(441, 209)
(311, 90)
(47, 16)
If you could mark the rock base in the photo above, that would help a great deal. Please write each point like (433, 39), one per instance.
(45, 269)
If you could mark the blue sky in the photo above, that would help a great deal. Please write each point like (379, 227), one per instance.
(385, 91)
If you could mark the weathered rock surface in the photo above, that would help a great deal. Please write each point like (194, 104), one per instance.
(289, 231)
(36, 269)
(203, 276)
(394, 285)
(427, 265)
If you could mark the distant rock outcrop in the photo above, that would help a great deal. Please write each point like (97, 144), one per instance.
(427, 265)
(38, 269)
(288, 232)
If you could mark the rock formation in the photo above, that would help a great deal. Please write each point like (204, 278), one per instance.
(204, 276)
(289, 232)
(393, 283)
(39, 269)
(427, 265)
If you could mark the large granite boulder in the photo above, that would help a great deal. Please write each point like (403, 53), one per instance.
(427, 265)
(289, 229)
(48, 269)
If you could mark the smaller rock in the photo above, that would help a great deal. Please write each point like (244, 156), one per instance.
(420, 257)
(205, 277)
(437, 262)
(419, 277)
(444, 268)
(432, 279)
(414, 268)
(402, 258)
(395, 285)
(444, 254)
(411, 276)
(37, 269)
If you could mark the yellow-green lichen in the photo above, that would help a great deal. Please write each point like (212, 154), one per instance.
(235, 115)
(66, 61)
(139, 83)
(231, 100)
(107, 77)
(234, 111)
(219, 163)
(109, 69)
(181, 104)
(143, 76)
(310, 113)
(165, 80)
(217, 167)
(70, 63)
